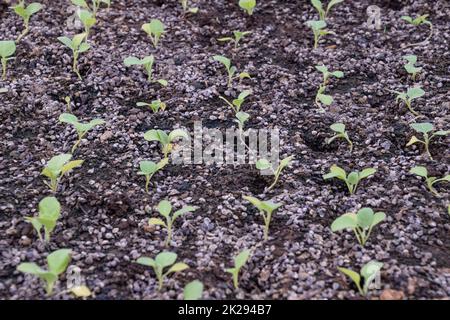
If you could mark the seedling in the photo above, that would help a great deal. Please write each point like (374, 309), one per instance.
(425, 128)
(266, 208)
(410, 66)
(94, 3)
(57, 167)
(319, 7)
(369, 272)
(162, 261)
(81, 128)
(239, 261)
(165, 209)
(186, 8)
(156, 105)
(264, 164)
(77, 46)
(408, 96)
(68, 105)
(193, 290)
(237, 103)
(165, 139)
(7, 49)
(147, 62)
(238, 35)
(361, 223)
(149, 168)
(231, 70)
(327, 74)
(87, 19)
(423, 172)
(353, 178)
(154, 29)
(248, 5)
(322, 98)
(57, 263)
(25, 12)
(49, 212)
(341, 133)
(419, 20)
(241, 118)
(318, 28)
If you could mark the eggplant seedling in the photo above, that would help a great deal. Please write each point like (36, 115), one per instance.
(419, 20)
(7, 49)
(165, 139)
(237, 103)
(186, 8)
(425, 128)
(318, 28)
(327, 74)
(231, 70)
(238, 35)
(361, 223)
(248, 5)
(49, 212)
(340, 133)
(81, 128)
(162, 261)
(408, 96)
(95, 4)
(87, 19)
(57, 167)
(156, 105)
(165, 209)
(410, 66)
(25, 12)
(193, 290)
(430, 181)
(353, 178)
(239, 261)
(147, 62)
(264, 164)
(57, 263)
(317, 4)
(77, 46)
(266, 209)
(154, 29)
(369, 272)
(149, 168)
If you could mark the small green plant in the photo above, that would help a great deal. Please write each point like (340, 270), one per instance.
(68, 104)
(248, 5)
(193, 290)
(57, 167)
(149, 168)
(156, 105)
(353, 178)
(25, 12)
(231, 70)
(419, 20)
(7, 49)
(162, 261)
(237, 103)
(430, 181)
(317, 4)
(154, 29)
(95, 4)
(77, 46)
(186, 8)
(408, 96)
(322, 98)
(239, 261)
(410, 65)
(81, 128)
(264, 164)
(241, 118)
(340, 133)
(238, 35)
(165, 209)
(87, 19)
(425, 128)
(266, 209)
(369, 273)
(361, 223)
(327, 74)
(318, 28)
(147, 62)
(57, 263)
(165, 139)
(49, 212)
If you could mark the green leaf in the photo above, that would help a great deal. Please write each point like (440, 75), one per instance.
(442, 133)
(407, 18)
(243, 75)
(177, 267)
(411, 58)
(57, 162)
(316, 24)
(58, 261)
(333, 3)
(346, 221)
(165, 259)
(33, 8)
(84, 47)
(7, 48)
(242, 116)
(254, 201)
(148, 167)
(420, 171)
(155, 27)
(325, 99)
(77, 40)
(224, 60)
(322, 69)
(80, 3)
(177, 133)
(338, 127)
(318, 5)
(50, 207)
(415, 92)
(157, 135)
(423, 127)
(370, 269)
(162, 82)
(366, 173)
(149, 262)
(412, 141)
(269, 206)
(356, 278)
(193, 290)
(182, 211)
(365, 217)
(68, 118)
(338, 74)
(263, 164)
(353, 178)
(156, 222)
(247, 5)
(164, 207)
(337, 172)
(241, 258)
(71, 165)
(130, 61)
(31, 268)
(378, 217)
(66, 41)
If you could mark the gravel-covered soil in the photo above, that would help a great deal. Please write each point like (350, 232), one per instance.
(105, 209)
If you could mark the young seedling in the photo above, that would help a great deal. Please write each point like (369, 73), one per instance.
(25, 12)
(410, 65)
(149, 168)
(322, 98)
(154, 29)
(237, 103)
(94, 3)
(57, 263)
(419, 21)
(68, 105)
(193, 290)
(186, 8)
(241, 118)
(7, 49)
(231, 70)
(264, 164)
(57, 167)
(239, 261)
(81, 128)
(238, 35)
(369, 272)
(318, 28)
(430, 181)
(317, 4)
(425, 128)
(165, 209)
(340, 133)
(87, 19)
(248, 5)
(77, 46)
(147, 62)
(327, 74)
(162, 261)
(165, 139)
(353, 178)
(361, 223)
(156, 105)
(49, 212)
(266, 208)
(408, 96)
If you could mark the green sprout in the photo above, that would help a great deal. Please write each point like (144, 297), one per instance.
(430, 181)
(87, 19)
(154, 29)
(264, 164)
(419, 20)
(327, 74)
(77, 46)
(266, 209)
(156, 105)
(49, 212)
(248, 5)
(238, 35)
(239, 261)
(149, 168)
(237, 103)
(317, 4)
(340, 133)
(193, 290)
(353, 178)
(165, 139)
(186, 8)
(147, 62)
(7, 49)
(68, 105)
(231, 70)
(318, 28)
(94, 3)
(369, 273)
(408, 96)
(425, 128)
(81, 128)
(57, 167)
(410, 65)
(25, 12)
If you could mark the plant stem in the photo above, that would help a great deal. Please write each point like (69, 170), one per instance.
(4, 68)
(24, 32)
(235, 279)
